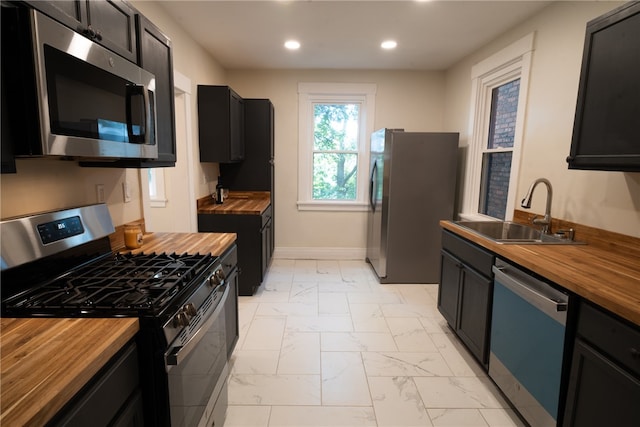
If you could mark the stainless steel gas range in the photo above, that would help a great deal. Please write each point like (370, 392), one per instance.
(60, 264)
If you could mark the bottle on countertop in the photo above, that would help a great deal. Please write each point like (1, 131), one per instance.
(219, 192)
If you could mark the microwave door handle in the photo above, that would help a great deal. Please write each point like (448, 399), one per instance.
(137, 90)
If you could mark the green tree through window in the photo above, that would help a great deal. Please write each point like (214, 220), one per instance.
(335, 151)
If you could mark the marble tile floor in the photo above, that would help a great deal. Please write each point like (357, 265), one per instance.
(322, 343)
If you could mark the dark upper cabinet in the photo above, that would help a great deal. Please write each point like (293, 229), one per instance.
(8, 164)
(256, 171)
(606, 132)
(18, 89)
(220, 124)
(155, 56)
(110, 23)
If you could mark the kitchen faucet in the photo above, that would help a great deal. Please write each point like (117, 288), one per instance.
(526, 203)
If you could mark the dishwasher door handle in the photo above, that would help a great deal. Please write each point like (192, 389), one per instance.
(541, 295)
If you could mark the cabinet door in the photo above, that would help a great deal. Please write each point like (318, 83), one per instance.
(473, 317)
(600, 392)
(72, 13)
(114, 24)
(266, 246)
(155, 56)
(220, 124)
(236, 127)
(448, 288)
(249, 242)
(255, 171)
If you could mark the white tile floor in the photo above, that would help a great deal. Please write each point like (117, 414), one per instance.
(322, 343)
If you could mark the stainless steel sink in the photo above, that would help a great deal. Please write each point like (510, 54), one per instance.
(510, 232)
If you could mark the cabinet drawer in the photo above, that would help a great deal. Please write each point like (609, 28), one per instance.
(472, 254)
(612, 336)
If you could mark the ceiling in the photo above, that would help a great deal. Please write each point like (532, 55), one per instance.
(431, 35)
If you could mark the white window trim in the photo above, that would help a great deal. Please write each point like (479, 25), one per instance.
(308, 93)
(156, 179)
(510, 63)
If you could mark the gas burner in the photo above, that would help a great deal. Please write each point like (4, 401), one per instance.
(120, 283)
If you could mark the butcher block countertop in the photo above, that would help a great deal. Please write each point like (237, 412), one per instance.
(607, 274)
(238, 203)
(45, 362)
(192, 243)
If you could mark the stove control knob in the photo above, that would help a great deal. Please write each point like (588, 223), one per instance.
(180, 320)
(190, 310)
(216, 278)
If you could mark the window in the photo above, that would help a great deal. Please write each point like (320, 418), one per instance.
(497, 153)
(499, 93)
(335, 122)
(157, 196)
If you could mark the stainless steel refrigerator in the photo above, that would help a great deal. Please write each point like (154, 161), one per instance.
(412, 187)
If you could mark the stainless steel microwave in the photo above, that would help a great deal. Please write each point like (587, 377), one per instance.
(86, 101)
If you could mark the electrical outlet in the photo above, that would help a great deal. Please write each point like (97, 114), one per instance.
(100, 193)
(126, 192)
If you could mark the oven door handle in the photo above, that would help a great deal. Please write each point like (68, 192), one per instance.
(177, 354)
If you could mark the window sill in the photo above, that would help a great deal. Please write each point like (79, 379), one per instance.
(158, 203)
(334, 206)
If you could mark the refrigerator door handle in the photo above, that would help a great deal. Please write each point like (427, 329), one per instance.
(372, 186)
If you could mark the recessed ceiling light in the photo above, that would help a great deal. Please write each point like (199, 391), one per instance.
(292, 44)
(389, 44)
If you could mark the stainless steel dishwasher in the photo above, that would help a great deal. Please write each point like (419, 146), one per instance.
(527, 342)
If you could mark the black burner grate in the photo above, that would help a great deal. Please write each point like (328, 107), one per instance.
(122, 283)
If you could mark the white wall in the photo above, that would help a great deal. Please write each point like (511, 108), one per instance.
(411, 100)
(607, 200)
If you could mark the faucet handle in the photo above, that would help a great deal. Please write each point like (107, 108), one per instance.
(544, 221)
(566, 234)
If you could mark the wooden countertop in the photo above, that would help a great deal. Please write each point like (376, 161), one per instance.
(603, 275)
(238, 203)
(203, 243)
(45, 362)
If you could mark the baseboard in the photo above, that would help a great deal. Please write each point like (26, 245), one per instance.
(319, 253)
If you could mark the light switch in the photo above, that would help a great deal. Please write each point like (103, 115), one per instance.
(126, 192)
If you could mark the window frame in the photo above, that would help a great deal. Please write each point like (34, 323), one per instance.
(509, 64)
(156, 185)
(328, 93)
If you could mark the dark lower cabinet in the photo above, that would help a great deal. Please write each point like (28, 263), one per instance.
(111, 398)
(465, 292)
(230, 260)
(266, 237)
(604, 383)
(252, 231)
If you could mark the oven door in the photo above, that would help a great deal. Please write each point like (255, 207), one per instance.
(197, 368)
